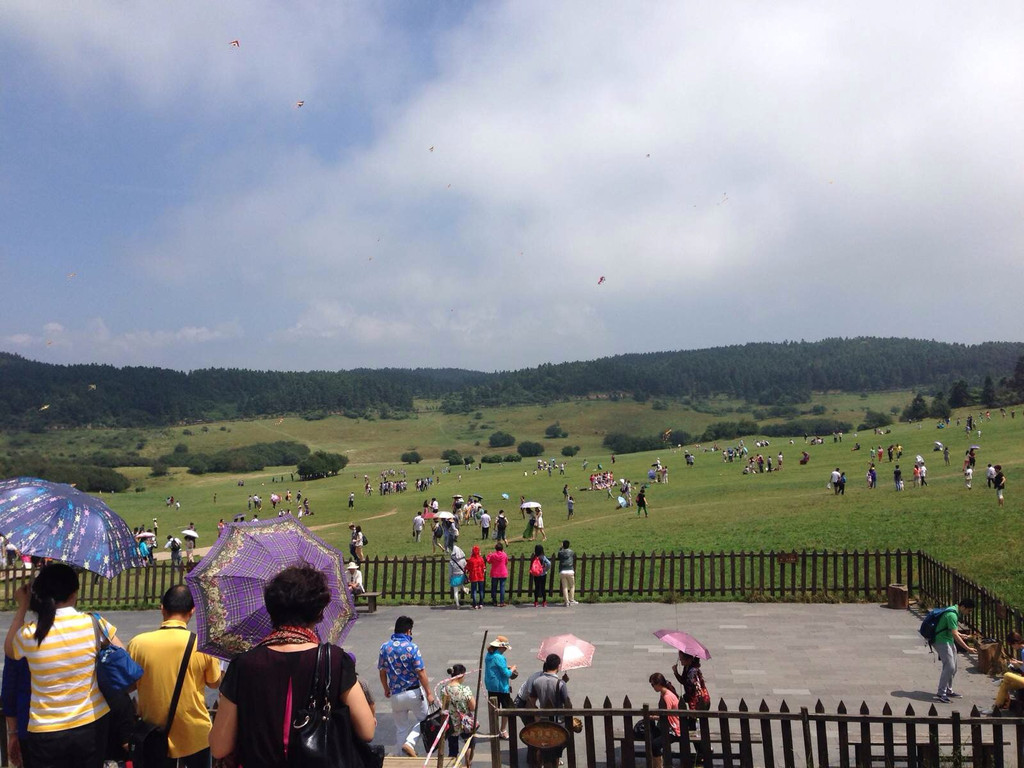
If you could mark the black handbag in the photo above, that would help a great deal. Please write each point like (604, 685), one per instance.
(147, 745)
(321, 733)
(430, 726)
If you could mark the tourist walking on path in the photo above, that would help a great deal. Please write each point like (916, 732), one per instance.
(668, 698)
(404, 678)
(458, 701)
(947, 639)
(417, 527)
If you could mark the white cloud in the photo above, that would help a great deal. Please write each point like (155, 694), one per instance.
(811, 171)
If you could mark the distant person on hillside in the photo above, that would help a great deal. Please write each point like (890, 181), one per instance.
(501, 527)
(834, 481)
(485, 526)
(570, 505)
(999, 483)
(968, 476)
(897, 478)
(641, 502)
(417, 527)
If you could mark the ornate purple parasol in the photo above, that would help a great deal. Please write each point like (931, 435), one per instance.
(228, 583)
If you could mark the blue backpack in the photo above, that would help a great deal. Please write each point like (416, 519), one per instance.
(930, 624)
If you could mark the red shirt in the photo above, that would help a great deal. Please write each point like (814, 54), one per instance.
(475, 568)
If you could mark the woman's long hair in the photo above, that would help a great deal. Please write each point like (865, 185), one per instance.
(538, 551)
(54, 584)
(659, 679)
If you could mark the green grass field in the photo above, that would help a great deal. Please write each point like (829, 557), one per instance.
(711, 506)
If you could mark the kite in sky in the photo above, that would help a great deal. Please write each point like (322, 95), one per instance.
(431, 149)
(299, 104)
(45, 407)
(73, 274)
(235, 44)
(600, 280)
(92, 386)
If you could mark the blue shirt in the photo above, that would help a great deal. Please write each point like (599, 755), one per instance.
(400, 659)
(496, 673)
(16, 693)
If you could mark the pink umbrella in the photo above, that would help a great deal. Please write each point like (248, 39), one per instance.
(686, 643)
(575, 653)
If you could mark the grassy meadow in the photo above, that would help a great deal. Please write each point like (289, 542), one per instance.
(711, 506)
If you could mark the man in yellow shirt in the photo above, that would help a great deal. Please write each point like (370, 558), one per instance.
(159, 653)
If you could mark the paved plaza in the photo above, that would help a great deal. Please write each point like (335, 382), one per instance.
(800, 653)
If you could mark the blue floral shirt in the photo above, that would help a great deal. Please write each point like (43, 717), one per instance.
(400, 658)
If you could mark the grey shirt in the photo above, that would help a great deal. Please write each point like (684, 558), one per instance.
(551, 692)
(566, 559)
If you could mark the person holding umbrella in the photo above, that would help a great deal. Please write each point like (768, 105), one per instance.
(261, 683)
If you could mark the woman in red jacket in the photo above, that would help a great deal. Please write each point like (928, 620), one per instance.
(475, 574)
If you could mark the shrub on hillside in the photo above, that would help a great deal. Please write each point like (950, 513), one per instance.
(570, 450)
(411, 457)
(491, 458)
(555, 431)
(452, 456)
(501, 440)
(512, 458)
(727, 430)
(875, 420)
(806, 427)
(321, 464)
(620, 442)
(530, 448)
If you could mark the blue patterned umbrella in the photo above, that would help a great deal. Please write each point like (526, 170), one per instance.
(228, 583)
(57, 521)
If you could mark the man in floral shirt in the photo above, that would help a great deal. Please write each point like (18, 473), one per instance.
(404, 677)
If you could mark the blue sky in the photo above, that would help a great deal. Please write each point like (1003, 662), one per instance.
(736, 171)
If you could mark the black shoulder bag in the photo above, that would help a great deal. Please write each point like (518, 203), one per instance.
(147, 747)
(321, 733)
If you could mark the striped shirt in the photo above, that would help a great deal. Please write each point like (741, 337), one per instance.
(65, 694)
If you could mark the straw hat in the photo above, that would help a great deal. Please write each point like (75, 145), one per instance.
(352, 565)
(499, 642)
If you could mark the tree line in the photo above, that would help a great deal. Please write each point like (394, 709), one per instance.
(36, 396)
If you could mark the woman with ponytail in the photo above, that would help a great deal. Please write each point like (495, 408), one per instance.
(68, 714)
(457, 698)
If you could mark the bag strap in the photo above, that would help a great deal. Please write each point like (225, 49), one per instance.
(181, 680)
(102, 641)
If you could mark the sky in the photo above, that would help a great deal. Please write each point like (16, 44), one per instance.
(497, 185)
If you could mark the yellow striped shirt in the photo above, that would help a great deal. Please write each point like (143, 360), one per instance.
(64, 690)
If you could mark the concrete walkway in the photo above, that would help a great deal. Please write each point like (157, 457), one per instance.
(797, 653)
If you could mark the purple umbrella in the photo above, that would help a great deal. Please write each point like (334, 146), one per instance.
(228, 583)
(57, 521)
(686, 643)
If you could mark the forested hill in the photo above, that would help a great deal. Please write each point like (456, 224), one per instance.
(40, 395)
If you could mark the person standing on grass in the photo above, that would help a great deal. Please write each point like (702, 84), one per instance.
(968, 475)
(498, 561)
(501, 526)
(834, 480)
(570, 505)
(485, 526)
(947, 638)
(897, 478)
(999, 483)
(417, 527)
(641, 501)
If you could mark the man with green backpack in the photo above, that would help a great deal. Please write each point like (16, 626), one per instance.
(945, 638)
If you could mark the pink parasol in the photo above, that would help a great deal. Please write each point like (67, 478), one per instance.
(686, 643)
(574, 652)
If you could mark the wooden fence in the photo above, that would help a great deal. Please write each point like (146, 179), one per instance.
(806, 575)
(744, 738)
